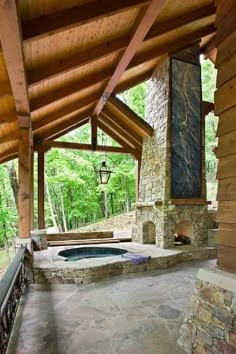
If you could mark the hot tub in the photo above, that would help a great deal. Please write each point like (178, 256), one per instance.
(75, 254)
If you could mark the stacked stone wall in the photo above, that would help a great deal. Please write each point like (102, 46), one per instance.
(155, 150)
(210, 323)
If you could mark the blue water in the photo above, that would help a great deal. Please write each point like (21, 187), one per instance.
(75, 254)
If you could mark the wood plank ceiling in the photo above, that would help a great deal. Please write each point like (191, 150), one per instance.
(73, 56)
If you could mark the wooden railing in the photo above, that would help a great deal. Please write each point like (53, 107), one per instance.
(11, 287)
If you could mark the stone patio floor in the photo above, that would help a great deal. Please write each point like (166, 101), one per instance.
(133, 314)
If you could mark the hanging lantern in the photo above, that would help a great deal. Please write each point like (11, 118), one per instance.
(104, 173)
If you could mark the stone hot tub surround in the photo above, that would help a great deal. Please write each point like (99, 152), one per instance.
(172, 187)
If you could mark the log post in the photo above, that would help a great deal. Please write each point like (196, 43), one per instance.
(25, 176)
(41, 190)
(225, 108)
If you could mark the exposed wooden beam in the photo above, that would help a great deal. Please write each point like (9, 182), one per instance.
(125, 138)
(69, 129)
(8, 117)
(135, 153)
(142, 29)
(207, 107)
(69, 109)
(107, 130)
(41, 190)
(123, 85)
(210, 50)
(94, 131)
(66, 19)
(171, 46)
(9, 137)
(85, 147)
(62, 126)
(79, 59)
(8, 157)
(122, 125)
(144, 127)
(11, 42)
(8, 154)
(70, 89)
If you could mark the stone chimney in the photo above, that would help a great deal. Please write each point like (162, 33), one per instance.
(172, 186)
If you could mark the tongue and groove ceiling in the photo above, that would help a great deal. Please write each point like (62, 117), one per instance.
(64, 61)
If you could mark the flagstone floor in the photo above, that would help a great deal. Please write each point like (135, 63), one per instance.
(133, 314)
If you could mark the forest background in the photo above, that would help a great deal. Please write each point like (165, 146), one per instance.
(73, 195)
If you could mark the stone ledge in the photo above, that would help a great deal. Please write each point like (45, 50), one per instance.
(218, 277)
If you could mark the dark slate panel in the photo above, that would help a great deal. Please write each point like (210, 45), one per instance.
(186, 130)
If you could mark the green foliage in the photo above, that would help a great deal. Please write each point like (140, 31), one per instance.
(8, 213)
(135, 98)
(211, 122)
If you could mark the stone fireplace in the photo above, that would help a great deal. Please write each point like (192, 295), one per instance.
(172, 188)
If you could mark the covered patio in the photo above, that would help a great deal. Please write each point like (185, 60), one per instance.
(62, 65)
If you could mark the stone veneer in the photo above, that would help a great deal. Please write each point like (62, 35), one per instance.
(76, 273)
(210, 322)
(155, 177)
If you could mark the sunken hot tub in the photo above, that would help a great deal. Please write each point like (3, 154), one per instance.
(75, 254)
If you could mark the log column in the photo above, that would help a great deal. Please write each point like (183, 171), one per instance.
(41, 189)
(225, 108)
(25, 193)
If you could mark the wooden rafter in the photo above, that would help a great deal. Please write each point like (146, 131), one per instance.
(73, 88)
(11, 42)
(136, 80)
(70, 89)
(210, 50)
(50, 24)
(79, 59)
(136, 153)
(111, 117)
(85, 147)
(144, 128)
(61, 126)
(118, 131)
(62, 112)
(69, 129)
(9, 137)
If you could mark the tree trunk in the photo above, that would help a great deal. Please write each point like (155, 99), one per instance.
(53, 218)
(13, 180)
(63, 211)
(106, 205)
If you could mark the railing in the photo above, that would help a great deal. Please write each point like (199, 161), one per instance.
(11, 288)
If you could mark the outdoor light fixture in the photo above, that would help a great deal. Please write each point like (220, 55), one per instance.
(104, 173)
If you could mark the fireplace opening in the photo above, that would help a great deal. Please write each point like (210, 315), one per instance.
(149, 232)
(183, 234)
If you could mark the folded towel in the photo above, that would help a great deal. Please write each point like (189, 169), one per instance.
(136, 258)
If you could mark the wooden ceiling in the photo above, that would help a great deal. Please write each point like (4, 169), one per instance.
(62, 62)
